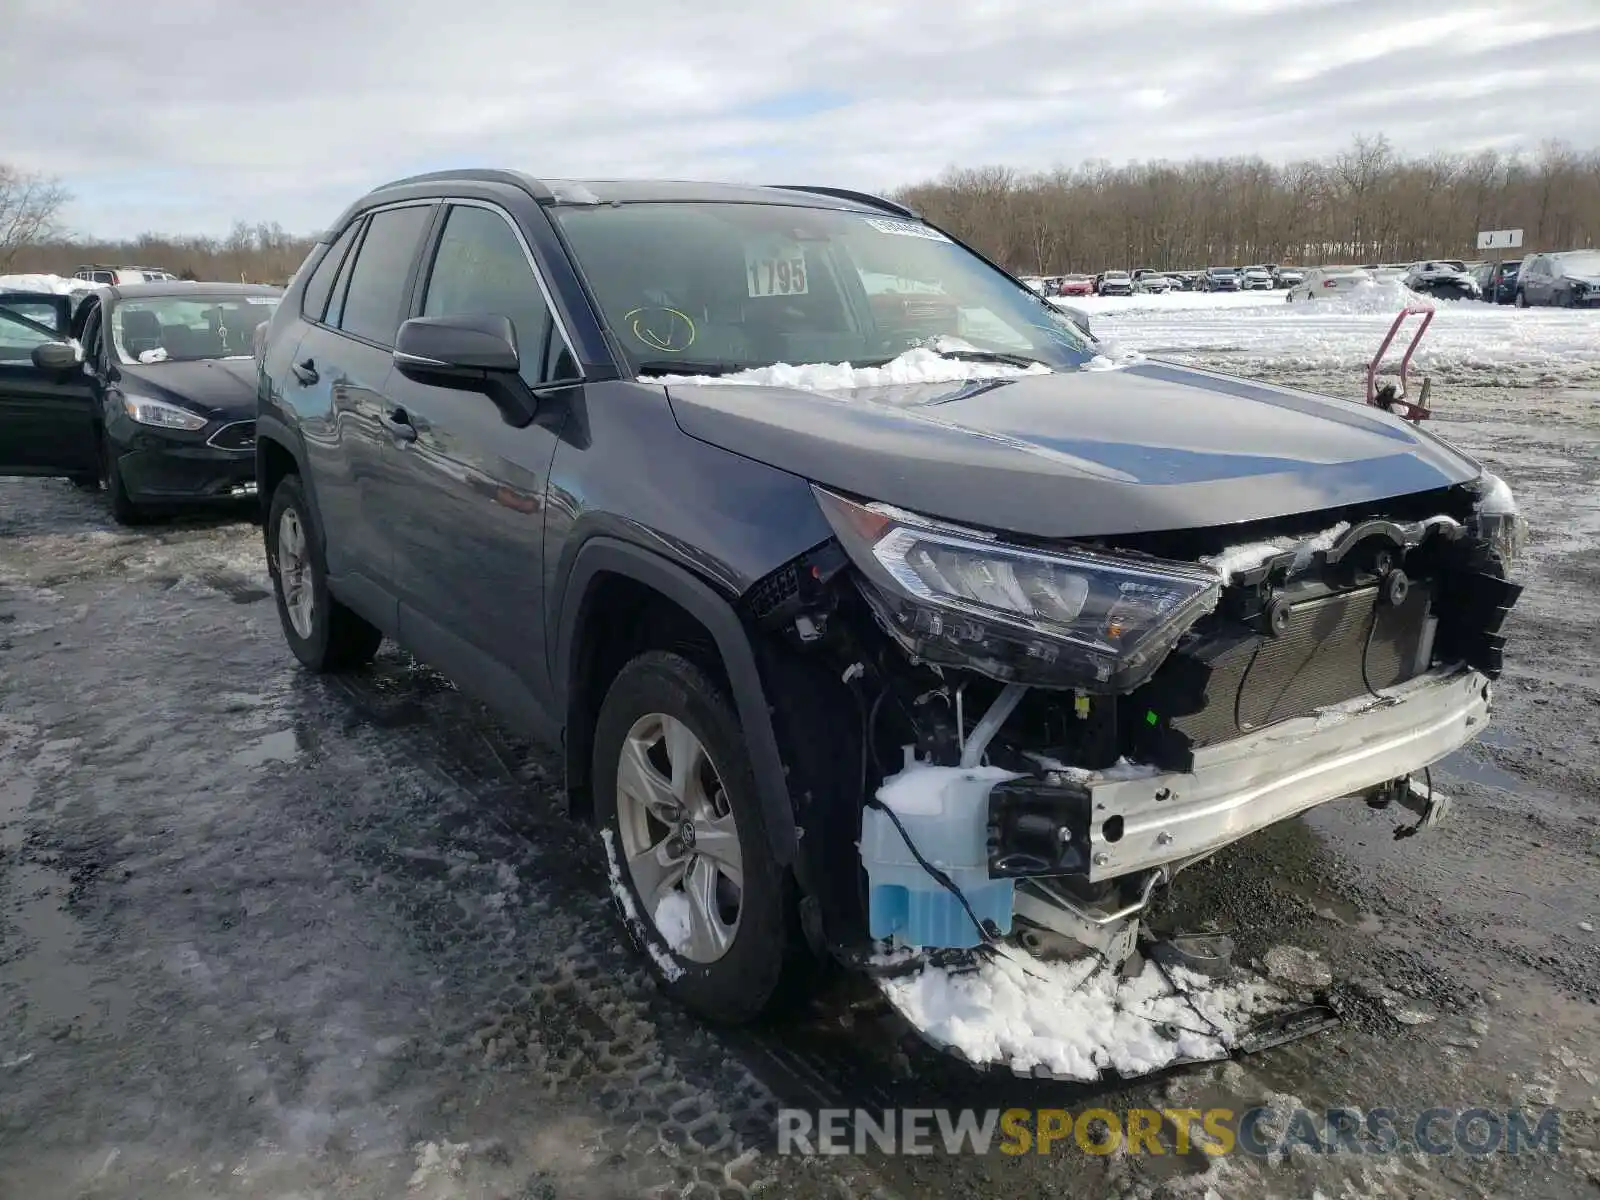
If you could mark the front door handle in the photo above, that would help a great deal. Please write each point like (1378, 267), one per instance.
(306, 372)
(399, 425)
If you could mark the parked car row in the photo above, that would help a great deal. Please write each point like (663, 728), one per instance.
(1150, 281)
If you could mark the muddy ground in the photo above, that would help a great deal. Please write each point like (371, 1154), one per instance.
(269, 935)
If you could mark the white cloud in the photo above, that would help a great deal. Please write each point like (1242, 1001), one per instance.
(185, 114)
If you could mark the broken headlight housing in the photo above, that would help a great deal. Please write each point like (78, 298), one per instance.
(1081, 619)
(1496, 520)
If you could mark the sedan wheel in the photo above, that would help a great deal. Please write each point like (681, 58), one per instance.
(1521, 300)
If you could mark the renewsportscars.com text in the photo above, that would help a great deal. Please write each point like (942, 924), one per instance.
(1217, 1131)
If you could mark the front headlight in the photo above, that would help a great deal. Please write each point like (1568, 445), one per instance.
(1496, 520)
(1069, 618)
(148, 411)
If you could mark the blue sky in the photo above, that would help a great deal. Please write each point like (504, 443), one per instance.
(195, 115)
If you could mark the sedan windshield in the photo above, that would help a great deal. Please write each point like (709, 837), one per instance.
(715, 288)
(152, 329)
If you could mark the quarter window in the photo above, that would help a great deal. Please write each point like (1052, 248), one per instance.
(320, 286)
(481, 269)
(377, 290)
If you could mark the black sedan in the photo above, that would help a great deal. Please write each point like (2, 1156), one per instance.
(148, 389)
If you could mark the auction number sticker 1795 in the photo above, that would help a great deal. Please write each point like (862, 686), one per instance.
(775, 268)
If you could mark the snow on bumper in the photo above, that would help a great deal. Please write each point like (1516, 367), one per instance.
(1247, 784)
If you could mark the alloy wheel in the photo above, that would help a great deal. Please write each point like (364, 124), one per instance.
(679, 839)
(294, 573)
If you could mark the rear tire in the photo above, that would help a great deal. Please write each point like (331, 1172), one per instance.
(764, 963)
(324, 634)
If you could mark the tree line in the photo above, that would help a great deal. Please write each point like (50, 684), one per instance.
(1365, 204)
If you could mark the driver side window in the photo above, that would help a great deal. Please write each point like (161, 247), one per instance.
(481, 269)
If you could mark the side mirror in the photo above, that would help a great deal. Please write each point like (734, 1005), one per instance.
(464, 350)
(475, 353)
(57, 357)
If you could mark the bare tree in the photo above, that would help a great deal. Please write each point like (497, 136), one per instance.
(30, 205)
(1366, 203)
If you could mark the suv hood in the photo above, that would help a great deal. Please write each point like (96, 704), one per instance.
(1079, 454)
(218, 387)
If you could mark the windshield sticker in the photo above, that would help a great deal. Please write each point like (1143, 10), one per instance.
(906, 229)
(267, 300)
(775, 267)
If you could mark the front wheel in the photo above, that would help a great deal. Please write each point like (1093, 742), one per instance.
(1521, 299)
(686, 847)
(124, 511)
(323, 633)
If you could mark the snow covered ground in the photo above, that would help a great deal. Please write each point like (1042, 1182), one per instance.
(1468, 342)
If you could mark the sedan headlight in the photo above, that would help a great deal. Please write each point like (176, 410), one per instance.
(1061, 618)
(1496, 519)
(148, 411)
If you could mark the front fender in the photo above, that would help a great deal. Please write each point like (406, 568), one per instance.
(605, 555)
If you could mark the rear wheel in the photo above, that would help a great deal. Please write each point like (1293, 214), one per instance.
(687, 852)
(323, 633)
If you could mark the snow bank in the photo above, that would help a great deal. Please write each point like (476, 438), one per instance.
(1370, 297)
(56, 284)
(1077, 1020)
(914, 366)
(1468, 342)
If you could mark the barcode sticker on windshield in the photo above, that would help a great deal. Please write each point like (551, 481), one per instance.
(775, 267)
(906, 229)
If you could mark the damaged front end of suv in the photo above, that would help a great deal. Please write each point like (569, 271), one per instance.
(1062, 725)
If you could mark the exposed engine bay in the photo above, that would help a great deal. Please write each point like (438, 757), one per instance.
(1049, 733)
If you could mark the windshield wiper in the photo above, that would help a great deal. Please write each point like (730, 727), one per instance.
(988, 356)
(674, 366)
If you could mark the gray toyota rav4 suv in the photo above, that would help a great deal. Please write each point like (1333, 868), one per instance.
(882, 616)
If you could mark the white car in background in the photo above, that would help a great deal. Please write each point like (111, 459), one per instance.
(1145, 280)
(1255, 279)
(1325, 283)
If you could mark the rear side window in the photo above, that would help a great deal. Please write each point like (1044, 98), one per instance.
(377, 289)
(480, 268)
(320, 286)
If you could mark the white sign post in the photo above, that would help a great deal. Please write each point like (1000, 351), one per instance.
(1500, 239)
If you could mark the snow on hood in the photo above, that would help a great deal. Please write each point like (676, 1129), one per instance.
(919, 365)
(1078, 1019)
(54, 284)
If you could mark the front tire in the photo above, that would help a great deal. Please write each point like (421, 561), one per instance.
(324, 634)
(686, 844)
(1521, 299)
(123, 509)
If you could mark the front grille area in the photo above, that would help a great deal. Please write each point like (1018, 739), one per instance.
(241, 435)
(1316, 661)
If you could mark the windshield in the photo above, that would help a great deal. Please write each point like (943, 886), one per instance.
(726, 287)
(1219, 270)
(1580, 264)
(187, 328)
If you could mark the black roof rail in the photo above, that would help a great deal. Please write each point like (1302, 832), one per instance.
(514, 179)
(866, 198)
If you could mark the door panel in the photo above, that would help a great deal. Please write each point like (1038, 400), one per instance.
(464, 503)
(336, 385)
(46, 417)
(464, 500)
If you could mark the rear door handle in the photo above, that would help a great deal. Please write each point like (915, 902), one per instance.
(399, 425)
(306, 372)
